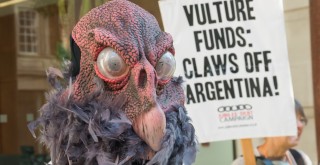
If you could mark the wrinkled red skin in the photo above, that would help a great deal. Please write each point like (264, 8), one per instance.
(137, 38)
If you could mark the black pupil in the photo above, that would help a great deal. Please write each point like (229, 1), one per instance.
(115, 65)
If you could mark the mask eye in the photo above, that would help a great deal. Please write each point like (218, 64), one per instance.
(166, 67)
(110, 64)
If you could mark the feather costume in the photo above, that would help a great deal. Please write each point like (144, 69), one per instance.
(124, 106)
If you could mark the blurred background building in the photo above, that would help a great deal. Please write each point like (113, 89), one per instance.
(297, 17)
(34, 36)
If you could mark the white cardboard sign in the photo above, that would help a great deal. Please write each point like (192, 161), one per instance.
(233, 57)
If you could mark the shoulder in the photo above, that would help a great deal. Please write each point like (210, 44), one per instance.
(238, 161)
(301, 154)
(305, 157)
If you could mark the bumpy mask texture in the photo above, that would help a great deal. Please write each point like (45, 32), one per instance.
(131, 117)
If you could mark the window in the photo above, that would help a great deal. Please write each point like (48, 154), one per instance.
(27, 37)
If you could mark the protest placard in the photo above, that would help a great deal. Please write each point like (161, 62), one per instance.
(233, 57)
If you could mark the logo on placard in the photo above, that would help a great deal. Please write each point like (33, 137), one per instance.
(234, 108)
(240, 112)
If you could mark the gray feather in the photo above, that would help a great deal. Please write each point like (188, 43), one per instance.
(97, 132)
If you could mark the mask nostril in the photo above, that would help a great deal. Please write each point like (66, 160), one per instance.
(142, 78)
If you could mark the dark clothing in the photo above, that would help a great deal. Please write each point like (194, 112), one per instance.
(261, 160)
